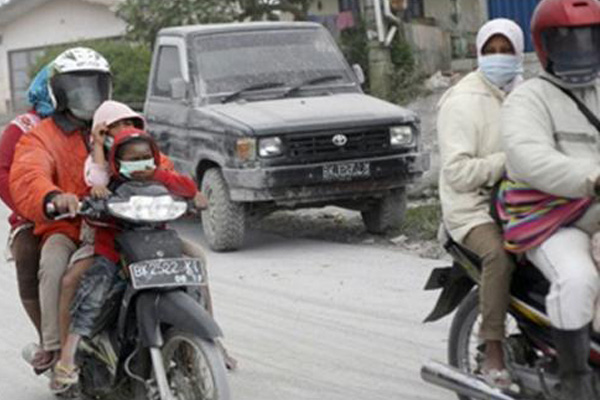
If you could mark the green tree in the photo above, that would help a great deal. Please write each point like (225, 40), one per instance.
(145, 18)
(129, 62)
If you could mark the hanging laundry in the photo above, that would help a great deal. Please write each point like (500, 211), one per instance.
(345, 20)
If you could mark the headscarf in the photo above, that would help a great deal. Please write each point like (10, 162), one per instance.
(504, 27)
(38, 94)
(513, 32)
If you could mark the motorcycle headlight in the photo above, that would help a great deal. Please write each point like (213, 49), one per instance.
(148, 209)
(270, 147)
(401, 135)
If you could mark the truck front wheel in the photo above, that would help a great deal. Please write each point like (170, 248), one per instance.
(387, 213)
(224, 221)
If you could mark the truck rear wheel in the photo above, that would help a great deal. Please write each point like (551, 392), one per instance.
(224, 221)
(387, 213)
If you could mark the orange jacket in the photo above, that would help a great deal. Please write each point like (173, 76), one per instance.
(49, 160)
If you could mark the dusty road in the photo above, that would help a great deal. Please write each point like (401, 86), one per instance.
(305, 319)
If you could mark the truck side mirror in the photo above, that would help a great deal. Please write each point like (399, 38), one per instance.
(358, 71)
(178, 88)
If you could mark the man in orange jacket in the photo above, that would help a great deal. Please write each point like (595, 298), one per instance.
(48, 168)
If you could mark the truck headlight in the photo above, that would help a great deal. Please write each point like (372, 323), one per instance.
(401, 135)
(270, 147)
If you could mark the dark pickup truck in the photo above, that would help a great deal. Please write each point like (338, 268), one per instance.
(269, 115)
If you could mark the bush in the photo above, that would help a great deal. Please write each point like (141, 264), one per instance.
(406, 80)
(355, 46)
(422, 222)
(130, 66)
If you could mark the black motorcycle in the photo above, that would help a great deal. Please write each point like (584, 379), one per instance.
(529, 352)
(154, 339)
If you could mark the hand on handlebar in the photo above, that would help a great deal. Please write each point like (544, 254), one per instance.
(100, 192)
(65, 203)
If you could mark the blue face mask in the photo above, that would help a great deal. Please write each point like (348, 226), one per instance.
(500, 69)
(126, 168)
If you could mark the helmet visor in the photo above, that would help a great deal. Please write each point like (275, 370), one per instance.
(83, 92)
(574, 53)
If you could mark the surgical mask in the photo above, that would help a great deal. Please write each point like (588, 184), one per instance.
(500, 69)
(126, 168)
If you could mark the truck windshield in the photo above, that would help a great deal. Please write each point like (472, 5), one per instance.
(230, 62)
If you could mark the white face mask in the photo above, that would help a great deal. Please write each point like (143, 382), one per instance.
(500, 69)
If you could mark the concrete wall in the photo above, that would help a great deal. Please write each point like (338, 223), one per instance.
(324, 7)
(56, 22)
(462, 18)
(431, 46)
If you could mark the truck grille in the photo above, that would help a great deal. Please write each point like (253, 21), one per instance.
(320, 145)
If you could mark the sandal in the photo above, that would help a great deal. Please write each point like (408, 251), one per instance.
(63, 378)
(500, 379)
(40, 359)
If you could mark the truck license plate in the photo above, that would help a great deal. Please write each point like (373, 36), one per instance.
(346, 171)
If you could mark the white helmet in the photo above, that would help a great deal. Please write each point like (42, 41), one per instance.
(80, 81)
(80, 59)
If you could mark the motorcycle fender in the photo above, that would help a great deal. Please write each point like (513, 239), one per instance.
(175, 308)
(455, 284)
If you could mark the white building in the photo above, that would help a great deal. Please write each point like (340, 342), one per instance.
(29, 26)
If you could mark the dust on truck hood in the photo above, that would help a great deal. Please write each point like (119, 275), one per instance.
(280, 115)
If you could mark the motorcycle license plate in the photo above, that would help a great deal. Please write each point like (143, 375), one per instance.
(346, 171)
(166, 272)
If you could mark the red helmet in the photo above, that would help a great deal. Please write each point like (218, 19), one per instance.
(566, 35)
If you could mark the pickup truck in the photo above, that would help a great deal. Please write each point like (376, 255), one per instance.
(269, 115)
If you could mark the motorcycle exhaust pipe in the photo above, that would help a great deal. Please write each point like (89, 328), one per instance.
(463, 384)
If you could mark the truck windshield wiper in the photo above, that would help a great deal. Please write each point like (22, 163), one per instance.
(313, 81)
(259, 86)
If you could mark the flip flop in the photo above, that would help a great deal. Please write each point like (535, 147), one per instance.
(500, 379)
(64, 378)
(38, 358)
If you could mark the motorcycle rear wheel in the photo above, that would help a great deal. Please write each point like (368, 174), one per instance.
(195, 367)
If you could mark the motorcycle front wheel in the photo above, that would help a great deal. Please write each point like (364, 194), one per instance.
(195, 367)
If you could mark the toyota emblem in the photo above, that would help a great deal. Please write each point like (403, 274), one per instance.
(340, 140)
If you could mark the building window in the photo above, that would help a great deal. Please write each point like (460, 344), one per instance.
(20, 64)
(415, 9)
(347, 5)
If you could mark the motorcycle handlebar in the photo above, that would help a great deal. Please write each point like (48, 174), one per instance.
(85, 207)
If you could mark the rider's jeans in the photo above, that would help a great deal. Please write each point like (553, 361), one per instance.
(565, 259)
(54, 259)
(487, 242)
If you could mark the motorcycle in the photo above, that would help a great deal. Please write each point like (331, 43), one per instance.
(530, 356)
(154, 340)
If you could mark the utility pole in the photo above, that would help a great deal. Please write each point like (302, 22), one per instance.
(380, 62)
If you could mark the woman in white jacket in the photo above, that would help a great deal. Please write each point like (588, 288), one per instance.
(551, 146)
(472, 162)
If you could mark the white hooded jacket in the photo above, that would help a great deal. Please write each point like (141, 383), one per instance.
(550, 144)
(468, 127)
